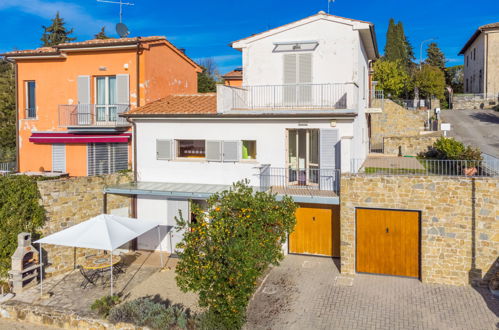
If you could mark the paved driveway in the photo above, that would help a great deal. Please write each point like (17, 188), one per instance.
(476, 127)
(308, 293)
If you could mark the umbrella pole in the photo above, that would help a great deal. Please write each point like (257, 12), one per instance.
(111, 273)
(41, 270)
(160, 249)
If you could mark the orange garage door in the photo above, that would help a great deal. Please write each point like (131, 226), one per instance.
(317, 231)
(388, 242)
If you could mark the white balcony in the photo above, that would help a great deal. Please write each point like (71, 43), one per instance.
(92, 115)
(338, 96)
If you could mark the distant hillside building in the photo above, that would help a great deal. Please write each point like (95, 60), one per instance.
(481, 61)
(234, 78)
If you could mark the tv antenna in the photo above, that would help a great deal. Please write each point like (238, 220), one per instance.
(121, 3)
(328, 5)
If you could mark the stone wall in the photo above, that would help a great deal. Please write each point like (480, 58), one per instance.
(69, 201)
(460, 222)
(395, 120)
(410, 145)
(470, 102)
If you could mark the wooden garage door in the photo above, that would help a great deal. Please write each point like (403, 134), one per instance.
(388, 242)
(316, 231)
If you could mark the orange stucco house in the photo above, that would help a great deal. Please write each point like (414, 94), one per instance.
(70, 96)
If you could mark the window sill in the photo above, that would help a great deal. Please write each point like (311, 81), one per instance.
(194, 160)
(31, 118)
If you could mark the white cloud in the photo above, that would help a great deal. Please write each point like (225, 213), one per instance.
(221, 58)
(75, 15)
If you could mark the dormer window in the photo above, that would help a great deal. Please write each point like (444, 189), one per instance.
(301, 46)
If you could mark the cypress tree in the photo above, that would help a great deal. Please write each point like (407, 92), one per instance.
(7, 112)
(435, 56)
(405, 47)
(391, 46)
(56, 33)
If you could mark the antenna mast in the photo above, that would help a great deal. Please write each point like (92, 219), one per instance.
(328, 5)
(121, 3)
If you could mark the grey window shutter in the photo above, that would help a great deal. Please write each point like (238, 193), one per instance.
(231, 151)
(329, 148)
(164, 149)
(122, 89)
(83, 89)
(214, 151)
(59, 158)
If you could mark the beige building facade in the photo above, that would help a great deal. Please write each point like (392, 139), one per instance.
(481, 61)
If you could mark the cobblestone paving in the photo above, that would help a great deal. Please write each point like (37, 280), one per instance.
(308, 293)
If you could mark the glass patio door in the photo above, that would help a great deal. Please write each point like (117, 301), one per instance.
(105, 105)
(303, 156)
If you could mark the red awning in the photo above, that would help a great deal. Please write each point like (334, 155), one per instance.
(79, 138)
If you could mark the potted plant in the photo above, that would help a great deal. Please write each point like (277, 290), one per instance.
(494, 285)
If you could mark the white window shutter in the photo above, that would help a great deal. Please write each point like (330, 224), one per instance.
(213, 151)
(123, 89)
(305, 68)
(83, 89)
(329, 148)
(59, 158)
(164, 149)
(231, 151)
(290, 74)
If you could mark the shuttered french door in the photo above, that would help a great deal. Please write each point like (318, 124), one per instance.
(106, 158)
(297, 79)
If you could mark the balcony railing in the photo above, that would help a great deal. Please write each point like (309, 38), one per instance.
(488, 167)
(304, 181)
(293, 97)
(88, 115)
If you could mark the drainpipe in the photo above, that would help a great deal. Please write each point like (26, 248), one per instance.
(485, 65)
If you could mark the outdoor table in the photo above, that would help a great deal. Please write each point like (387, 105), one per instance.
(94, 267)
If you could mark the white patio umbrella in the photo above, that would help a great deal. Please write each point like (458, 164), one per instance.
(103, 232)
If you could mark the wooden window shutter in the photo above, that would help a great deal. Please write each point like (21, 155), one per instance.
(231, 151)
(329, 148)
(305, 68)
(122, 89)
(213, 151)
(59, 158)
(164, 149)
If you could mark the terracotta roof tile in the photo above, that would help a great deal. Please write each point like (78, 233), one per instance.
(180, 104)
(89, 43)
(236, 74)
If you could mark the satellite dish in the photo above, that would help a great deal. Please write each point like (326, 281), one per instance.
(122, 30)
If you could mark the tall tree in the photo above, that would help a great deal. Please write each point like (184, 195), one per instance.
(102, 34)
(407, 52)
(392, 77)
(7, 112)
(454, 77)
(56, 33)
(392, 45)
(397, 45)
(435, 56)
(430, 81)
(208, 78)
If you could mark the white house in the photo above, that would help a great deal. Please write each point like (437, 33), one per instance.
(294, 125)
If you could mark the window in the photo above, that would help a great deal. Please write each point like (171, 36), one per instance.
(466, 88)
(474, 54)
(59, 158)
(248, 149)
(105, 99)
(480, 82)
(467, 60)
(30, 99)
(106, 158)
(191, 149)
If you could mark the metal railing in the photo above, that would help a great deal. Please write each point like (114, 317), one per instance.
(84, 115)
(415, 104)
(377, 98)
(296, 97)
(293, 181)
(30, 113)
(7, 167)
(376, 165)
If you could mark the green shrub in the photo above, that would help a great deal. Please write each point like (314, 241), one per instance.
(450, 149)
(227, 249)
(145, 312)
(20, 211)
(103, 305)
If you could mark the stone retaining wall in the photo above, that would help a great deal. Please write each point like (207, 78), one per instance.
(460, 222)
(410, 145)
(395, 120)
(69, 201)
(50, 317)
(471, 102)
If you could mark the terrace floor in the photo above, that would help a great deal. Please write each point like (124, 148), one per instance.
(392, 162)
(143, 276)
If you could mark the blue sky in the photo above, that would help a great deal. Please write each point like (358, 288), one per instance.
(205, 28)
